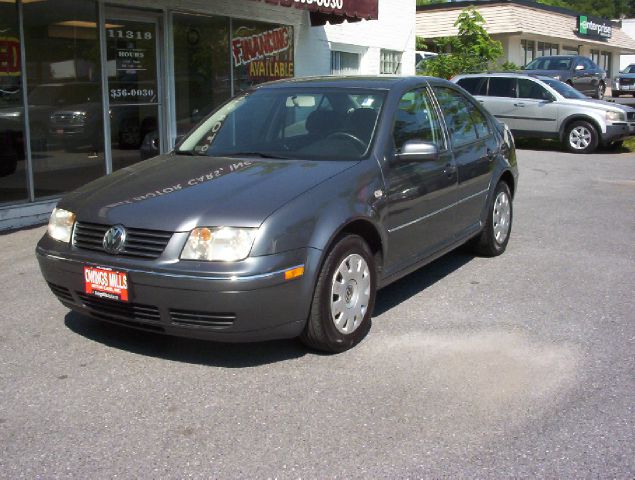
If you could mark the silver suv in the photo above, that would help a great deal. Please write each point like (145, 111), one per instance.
(542, 107)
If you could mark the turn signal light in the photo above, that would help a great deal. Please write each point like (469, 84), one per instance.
(294, 273)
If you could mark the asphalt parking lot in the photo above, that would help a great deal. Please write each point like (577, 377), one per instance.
(515, 367)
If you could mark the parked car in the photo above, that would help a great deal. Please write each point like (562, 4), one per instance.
(269, 222)
(543, 107)
(578, 71)
(624, 82)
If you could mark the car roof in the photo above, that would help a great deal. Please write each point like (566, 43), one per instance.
(385, 82)
(504, 74)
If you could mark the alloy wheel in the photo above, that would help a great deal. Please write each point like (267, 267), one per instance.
(580, 137)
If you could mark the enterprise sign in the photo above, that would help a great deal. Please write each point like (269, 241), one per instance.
(591, 27)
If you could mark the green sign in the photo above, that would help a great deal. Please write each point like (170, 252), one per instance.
(596, 28)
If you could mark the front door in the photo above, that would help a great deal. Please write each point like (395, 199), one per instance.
(420, 193)
(134, 90)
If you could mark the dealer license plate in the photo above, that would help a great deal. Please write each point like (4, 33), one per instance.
(106, 283)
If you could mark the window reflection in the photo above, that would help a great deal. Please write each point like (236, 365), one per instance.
(13, 186)
(65, 112)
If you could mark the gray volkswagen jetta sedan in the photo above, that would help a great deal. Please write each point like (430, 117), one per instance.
(283, 212)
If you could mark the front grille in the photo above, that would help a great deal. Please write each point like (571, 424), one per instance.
(192, 318)
(630, 115)
(60, 292)
(139, 243)
(627, 81)
(112, 309)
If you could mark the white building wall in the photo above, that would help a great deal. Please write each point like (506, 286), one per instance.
(628, 27)
(394, 30)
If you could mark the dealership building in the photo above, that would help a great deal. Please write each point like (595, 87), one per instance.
(528, 30)
(89, 87)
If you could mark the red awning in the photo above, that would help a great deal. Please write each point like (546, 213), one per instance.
(332, 11)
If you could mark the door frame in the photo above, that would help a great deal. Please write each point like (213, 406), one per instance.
(159, 19)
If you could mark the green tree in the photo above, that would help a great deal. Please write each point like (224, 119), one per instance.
(472, 50)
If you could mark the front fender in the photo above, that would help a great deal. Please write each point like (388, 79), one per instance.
(314, 218)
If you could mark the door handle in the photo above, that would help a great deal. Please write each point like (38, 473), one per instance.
(519, 104)
(450, 169)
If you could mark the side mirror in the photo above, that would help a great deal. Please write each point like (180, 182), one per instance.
(579, 67)
(417, 151)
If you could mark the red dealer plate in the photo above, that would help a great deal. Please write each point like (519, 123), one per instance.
(106, 283)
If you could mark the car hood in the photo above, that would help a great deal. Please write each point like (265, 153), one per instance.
(178, 193)
(599, 104)
(625, 75)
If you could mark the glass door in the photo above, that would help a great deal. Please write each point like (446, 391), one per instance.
(134, 90)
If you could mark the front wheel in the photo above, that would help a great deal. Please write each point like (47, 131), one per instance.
(344, 297)
(599, 92)
(494, 237)
(581, 137)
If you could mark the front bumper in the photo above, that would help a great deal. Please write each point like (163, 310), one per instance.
(182, 299)
(618, 131)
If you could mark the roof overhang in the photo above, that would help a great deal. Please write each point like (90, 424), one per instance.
(332, 11)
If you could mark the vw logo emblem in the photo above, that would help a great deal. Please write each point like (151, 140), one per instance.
(114, 239)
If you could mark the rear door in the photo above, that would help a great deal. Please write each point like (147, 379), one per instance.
(501, 99)
(420, 216)
(475, 147)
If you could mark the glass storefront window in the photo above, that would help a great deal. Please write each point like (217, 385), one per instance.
(13, 171)
(545, 49)
(133, 89)
(64, 94)
(261, 52)
(202, 69)
(569, 50)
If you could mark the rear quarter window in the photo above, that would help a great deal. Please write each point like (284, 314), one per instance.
(474, 85)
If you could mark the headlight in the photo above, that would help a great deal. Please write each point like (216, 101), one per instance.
(221, 244)
(61, 225)
(616, 116)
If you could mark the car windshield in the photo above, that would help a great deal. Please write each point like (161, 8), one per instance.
(629, 69)
(549, 63)
(308, 123)
(564, 89)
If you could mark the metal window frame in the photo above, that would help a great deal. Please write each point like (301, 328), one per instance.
(25, 106)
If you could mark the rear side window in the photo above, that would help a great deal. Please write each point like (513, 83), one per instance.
(502, 87)
(474, 85)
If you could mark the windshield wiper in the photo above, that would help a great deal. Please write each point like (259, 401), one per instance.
(252, 154)
(191, 153)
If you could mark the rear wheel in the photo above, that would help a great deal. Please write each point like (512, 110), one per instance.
(615, 93)
(494, 238)
(581, 137)
(344, 297)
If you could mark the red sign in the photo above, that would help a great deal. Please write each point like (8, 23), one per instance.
(106, 283)
(256, 47)
(9, 57)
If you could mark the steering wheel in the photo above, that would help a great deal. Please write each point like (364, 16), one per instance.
(348, 136)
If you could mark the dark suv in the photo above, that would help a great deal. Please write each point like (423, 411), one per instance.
(578, 71)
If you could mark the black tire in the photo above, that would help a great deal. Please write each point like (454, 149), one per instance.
(599, 91)
(583, 126)
(615, 94)
(486, 243)
(320, 331)
(615, 145)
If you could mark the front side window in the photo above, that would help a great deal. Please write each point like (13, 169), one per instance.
(465, 123)
(325, 124)
(416, 119)
(530, 89)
